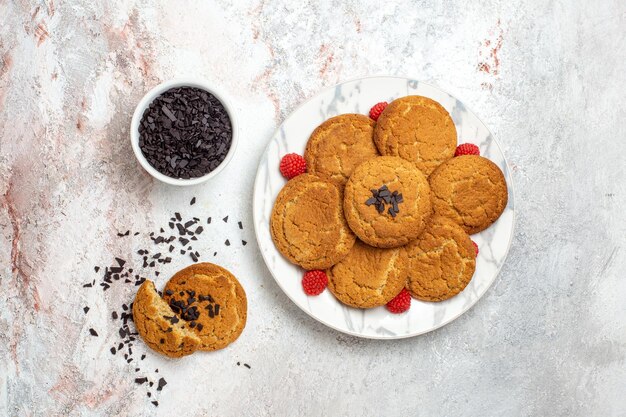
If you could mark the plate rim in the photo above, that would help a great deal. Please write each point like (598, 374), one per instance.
(511, 190)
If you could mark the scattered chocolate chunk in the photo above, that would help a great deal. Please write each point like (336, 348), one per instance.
(240, 225)
(113, 350)
(93, 332)
(86, 309)
(208, 221)
(227, 243)
(243, 242)
(161, 384)
(114, 315)
(156, 403)
(96, 268)
(246, 365)
(193, 257)
(225, 219)
(141, 380)
(193, 201)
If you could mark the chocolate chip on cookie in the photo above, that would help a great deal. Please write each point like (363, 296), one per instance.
(384, 196)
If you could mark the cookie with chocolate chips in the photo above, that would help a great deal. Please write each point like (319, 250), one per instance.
(387, 202)
(158, 326)
(210, 302)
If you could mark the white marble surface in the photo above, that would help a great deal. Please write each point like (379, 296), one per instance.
(549, 338)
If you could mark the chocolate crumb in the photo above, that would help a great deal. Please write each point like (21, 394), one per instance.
(193, 201)
(162, 383)
(93, 332)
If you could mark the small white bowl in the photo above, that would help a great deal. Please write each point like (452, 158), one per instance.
(143, 105)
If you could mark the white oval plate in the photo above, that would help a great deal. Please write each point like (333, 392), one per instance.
(357, 96)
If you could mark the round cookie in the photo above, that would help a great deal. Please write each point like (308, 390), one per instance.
(441, 262)
(368, 277)
(154, 321)
(417, 129)
(307, 223)
(339, 144)
(471, 190)
(210, 300)
(382, 229)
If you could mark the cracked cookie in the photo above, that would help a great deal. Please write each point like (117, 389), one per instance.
(368, 277)
(405, 207)
(339, 144)
(211, 302)
(308, 225)
(153, 320)
(417, 129)
(470, 190)
(441, 262)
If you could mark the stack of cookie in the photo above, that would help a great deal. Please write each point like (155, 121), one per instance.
(386, 206)
(203, 307)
